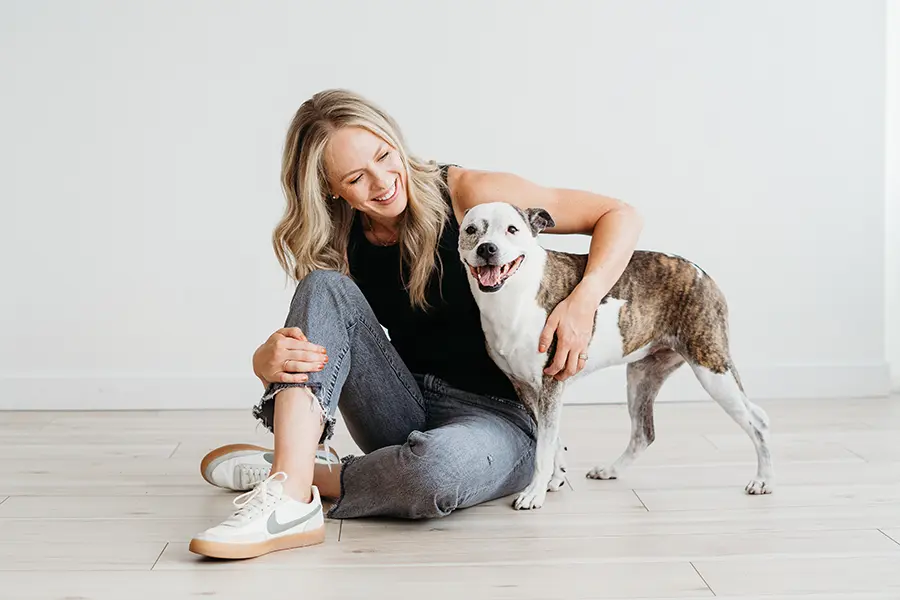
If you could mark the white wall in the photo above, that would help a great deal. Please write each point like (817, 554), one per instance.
(141, 148)
(892, 195)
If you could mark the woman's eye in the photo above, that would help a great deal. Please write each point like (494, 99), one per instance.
(356, 180)
(512, 229)
(384, 156)
(471, 230)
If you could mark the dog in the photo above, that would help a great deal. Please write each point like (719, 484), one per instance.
(662, 312)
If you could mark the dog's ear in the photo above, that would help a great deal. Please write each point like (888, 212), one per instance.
(539, 219)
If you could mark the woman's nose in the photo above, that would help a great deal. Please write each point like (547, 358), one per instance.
(384, 181)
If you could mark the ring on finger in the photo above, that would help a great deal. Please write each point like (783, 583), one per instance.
(582, 356)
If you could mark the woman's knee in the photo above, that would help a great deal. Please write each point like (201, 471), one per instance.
(431, 480)
(325, 286)
(321, 280)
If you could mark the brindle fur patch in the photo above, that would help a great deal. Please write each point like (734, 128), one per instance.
(645, 378)
(667, 304)
(666, 301)
(562, 273)
(537, 219)
(540, 404)
(467, 241)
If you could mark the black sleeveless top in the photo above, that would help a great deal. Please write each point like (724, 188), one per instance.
(446, 340)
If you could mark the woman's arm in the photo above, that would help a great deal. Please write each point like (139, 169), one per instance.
(613, 225)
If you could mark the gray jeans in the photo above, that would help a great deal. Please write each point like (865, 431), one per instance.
(429, 448)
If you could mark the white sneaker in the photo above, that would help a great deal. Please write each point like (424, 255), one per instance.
(239, 467)
(266, 520)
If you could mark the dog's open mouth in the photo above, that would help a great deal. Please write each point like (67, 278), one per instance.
(492, 277)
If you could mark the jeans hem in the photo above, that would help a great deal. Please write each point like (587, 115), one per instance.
(264, 411)
(346, 460)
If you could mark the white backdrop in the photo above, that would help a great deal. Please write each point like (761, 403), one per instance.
(892, 197)
(140, 154)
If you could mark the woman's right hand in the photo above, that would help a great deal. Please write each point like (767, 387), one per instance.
(287, 356)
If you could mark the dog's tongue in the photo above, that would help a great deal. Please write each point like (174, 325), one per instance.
(489, 276)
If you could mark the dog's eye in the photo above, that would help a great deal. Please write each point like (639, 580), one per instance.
(512, 229)
(471, 230)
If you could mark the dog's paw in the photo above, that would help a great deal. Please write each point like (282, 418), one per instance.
(758, 487)
(556, 483)
(602, 473)
(532, 497)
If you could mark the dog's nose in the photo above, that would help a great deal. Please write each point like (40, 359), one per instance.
(486, 250)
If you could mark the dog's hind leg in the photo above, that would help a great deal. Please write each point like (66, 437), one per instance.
(726, 389)
(645, 378)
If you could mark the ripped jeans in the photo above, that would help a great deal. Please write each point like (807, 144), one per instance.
(429, 448)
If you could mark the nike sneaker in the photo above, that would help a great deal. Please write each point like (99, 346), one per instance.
(266, 520)
(240, 467)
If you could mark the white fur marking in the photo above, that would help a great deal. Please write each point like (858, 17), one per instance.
(696, 268)
(753, 420)
(606, 346)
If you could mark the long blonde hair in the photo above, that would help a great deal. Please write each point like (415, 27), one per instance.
(314, 231)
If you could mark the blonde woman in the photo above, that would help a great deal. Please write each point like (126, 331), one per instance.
(370, 235)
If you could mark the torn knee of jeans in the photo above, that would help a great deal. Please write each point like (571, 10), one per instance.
(264, 412)
(327, 421)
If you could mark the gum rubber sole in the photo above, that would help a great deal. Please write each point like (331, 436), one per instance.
(245, 550)
(222, 451)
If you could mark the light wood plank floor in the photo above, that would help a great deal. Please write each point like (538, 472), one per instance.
(95, 503)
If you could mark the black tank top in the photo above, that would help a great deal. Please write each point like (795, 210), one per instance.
(446, 340)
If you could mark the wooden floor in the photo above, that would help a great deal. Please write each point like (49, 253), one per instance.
(92, 504)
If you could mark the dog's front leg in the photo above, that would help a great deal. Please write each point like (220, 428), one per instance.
(548, 407)
(558, 479)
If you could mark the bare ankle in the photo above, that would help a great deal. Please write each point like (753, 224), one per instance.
(328, 480)
(298, 491)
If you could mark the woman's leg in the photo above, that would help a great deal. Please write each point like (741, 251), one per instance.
(381, 402)
(298, 427)
(473, 449)
(380, 399)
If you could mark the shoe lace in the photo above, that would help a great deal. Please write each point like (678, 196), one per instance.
(259, 498)
(328, 454)
(250, 475)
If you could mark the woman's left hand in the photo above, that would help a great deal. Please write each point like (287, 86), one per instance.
(572, 321)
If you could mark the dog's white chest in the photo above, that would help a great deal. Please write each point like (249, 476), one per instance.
(513, 334)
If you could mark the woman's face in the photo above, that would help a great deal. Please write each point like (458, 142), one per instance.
(367, 172)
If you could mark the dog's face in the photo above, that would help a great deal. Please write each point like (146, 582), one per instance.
(495, 238)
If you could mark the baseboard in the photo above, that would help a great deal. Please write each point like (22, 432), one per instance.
(233, 392)
(129, 392)
(772, 382)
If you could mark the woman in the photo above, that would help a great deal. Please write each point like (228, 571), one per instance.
(370, 234)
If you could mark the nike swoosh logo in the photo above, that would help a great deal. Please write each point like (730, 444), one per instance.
(274, 527)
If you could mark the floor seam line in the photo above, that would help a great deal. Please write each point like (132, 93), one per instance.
(882, 532)
(166, 545)
(703, 579)
(641, 500)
